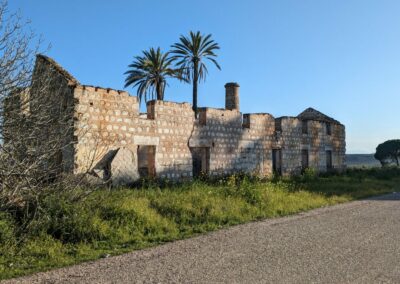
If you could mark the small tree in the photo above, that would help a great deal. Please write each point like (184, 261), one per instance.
(36, 123)
(388, 152)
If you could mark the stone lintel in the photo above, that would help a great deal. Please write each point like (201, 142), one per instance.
(146, 140)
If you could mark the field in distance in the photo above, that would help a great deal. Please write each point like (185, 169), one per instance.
(361, 160)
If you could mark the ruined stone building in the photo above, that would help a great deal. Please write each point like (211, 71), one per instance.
(111, 138)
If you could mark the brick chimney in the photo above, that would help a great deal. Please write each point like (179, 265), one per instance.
(232, 96)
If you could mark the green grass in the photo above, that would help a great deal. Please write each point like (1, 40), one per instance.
(122, 220)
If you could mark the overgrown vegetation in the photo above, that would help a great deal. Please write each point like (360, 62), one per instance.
(36, 128)
(109, 222)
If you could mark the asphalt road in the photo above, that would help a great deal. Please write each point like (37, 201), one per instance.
(357, 242)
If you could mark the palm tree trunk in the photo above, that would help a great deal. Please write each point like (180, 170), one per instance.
(195, 82)
(159, 91)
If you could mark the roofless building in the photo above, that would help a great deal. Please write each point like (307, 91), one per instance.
(112, 139)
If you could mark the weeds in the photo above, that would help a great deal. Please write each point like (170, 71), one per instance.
(121, 220)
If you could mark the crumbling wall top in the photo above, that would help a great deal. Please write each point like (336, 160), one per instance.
(71, 79)
(169, 104)
(101, 90)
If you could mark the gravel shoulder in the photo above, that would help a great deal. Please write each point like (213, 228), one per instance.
(356, 242)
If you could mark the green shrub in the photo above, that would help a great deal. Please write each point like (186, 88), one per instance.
(385, 173)
(42, 246)
(132, 219)
(7, 231)
(242, 188)
(69, 222)
(200, 210)
(309, 174)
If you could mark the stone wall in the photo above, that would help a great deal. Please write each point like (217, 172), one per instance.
(111, 135)
(108, 119)
(51, 111)
(173, 125)
(316, 141)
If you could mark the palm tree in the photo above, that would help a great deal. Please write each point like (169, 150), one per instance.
(191, 53)
(149, 74)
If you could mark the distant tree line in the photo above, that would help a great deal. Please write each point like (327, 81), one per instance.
(388, 152)
(185, 62)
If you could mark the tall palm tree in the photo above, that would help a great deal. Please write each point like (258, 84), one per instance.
(149, 74)
(191, 53)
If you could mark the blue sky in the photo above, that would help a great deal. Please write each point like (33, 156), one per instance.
(340, 57)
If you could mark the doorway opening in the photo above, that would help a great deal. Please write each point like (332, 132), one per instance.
(200, 161)
(304, 160)
(146, 161)
(277, 161)
(329, 160)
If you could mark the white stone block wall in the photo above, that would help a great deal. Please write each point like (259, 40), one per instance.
(106, 119)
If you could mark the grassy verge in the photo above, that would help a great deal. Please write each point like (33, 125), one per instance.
(122, 220)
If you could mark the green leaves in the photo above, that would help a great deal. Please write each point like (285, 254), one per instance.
(388, 152)
(192, 52)
(149, 74)
(190, 55)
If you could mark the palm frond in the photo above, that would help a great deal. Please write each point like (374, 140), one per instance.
(195, 47)
(149, 72)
